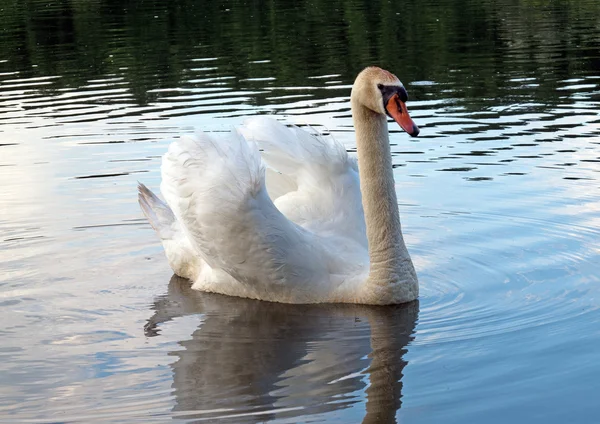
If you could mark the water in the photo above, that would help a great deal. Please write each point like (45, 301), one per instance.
(499, 198)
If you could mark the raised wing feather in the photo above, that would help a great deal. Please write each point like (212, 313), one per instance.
(323, 190)
(216, 189)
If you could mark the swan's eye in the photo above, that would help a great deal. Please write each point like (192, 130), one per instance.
(387, 92)
(403, 94)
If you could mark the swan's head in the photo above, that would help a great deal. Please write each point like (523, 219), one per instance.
(383, 93)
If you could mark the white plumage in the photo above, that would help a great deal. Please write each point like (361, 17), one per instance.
(294, 234)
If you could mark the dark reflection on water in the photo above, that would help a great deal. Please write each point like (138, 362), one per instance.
(253, 361)
(497, 50)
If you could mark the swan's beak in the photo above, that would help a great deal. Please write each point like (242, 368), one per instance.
(396, 108)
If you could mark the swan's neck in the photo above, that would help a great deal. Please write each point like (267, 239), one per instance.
(390, 263)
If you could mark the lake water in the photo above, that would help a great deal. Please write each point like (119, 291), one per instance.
(499, 200)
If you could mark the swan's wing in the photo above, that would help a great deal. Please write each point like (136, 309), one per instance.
(320, 181)
(216, 189)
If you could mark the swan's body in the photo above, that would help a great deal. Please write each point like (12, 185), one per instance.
(312, 231)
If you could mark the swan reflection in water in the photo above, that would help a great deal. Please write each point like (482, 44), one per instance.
(255, 361)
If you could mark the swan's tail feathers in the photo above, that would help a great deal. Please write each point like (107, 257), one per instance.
(159, 215)
(182, 256)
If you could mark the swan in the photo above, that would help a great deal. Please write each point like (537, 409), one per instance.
(279, 214)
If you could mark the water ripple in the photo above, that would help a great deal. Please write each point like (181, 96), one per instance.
(503, 296)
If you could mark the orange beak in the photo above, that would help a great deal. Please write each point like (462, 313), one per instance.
(396, 108)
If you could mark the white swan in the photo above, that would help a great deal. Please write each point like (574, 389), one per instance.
(316, 231)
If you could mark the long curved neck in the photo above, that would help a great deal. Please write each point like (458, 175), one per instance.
(390, 263)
